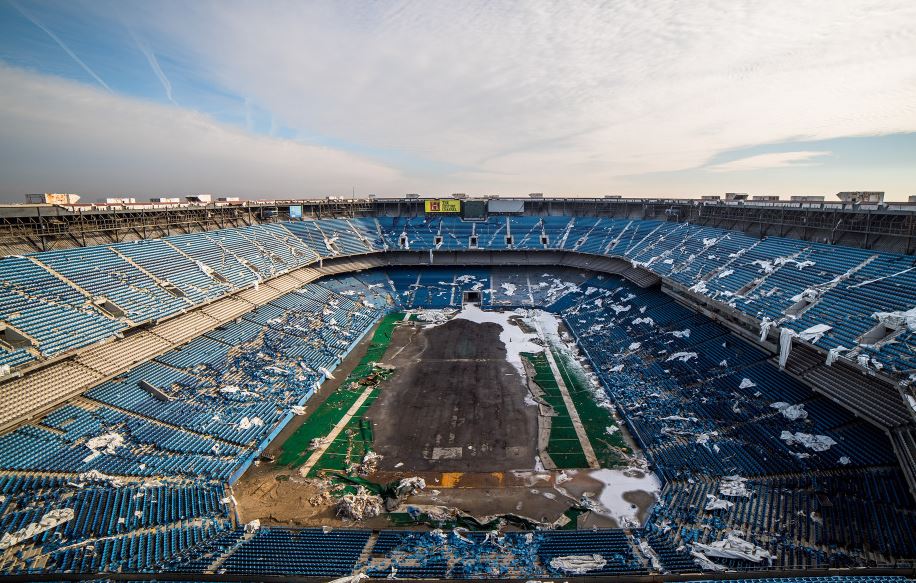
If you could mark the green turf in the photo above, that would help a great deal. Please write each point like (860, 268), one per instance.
(353, 442)
(563, 445)
(595, 419)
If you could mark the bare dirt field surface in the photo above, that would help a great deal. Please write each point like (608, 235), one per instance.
(454, 404)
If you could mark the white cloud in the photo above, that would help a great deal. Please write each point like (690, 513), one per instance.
(766, 161)
(58, 135)
(563, 97)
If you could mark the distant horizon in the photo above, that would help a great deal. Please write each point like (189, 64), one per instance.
(101, 199)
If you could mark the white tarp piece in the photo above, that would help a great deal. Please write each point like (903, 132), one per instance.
(834, 354)
(253, 526)
(103, 444)
(785, 345)
(871, 281)
(704, 562)
(734, 547)
(298, 410)
(814, 333)
(814, 442)
(409, 486)
(734, 486)
(715, 503)
(747, 383)
(682, 356)
(765, 325)
(578, 564)
(792, 412)
(47, 522)
(897, 319)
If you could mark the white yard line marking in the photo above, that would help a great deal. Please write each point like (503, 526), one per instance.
(330, 437)
(567, 400)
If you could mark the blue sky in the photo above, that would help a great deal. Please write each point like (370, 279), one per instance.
(314, 98)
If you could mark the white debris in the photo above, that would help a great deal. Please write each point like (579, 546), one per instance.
(834, 354)
(357, 577)
(359, 506)
(704, 438)
(681, 333)
(207, 270)
(734, 547)
(726, 273)
(646, 320)
(325, 372)
(766, 266)
(785, 345)
(103, 444)
(814, 442)
(47, 522)
(618, 309)
(715, 503)
(793, 412)
(814, 333)
(634, 346)
(616, 368)
(410, 486)
(244, 424)
(578, 564)
(682, 356)
(253, 526)
(649, 553)
(870, 281)
(699, 288)
(765, 325)
(298, 410)
(704, 562)
(845, 460)
(734, 486)
(897, 320)
(509, 288)
(747, 383)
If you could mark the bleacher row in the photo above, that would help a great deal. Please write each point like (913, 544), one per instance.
(229, 390)
(706, 405)
(62, 300)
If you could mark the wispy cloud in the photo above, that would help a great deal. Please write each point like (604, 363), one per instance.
(144, 48)
(60, 43)
(769, 161)
(58, 134)
(563, 97)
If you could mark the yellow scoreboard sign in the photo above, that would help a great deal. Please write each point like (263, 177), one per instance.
(443, 206)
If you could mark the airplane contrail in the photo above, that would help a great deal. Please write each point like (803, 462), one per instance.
(63, 45)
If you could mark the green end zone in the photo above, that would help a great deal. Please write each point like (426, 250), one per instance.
(355, 440)
(563, 445)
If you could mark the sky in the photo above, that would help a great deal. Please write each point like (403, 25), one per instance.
(316, 98)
